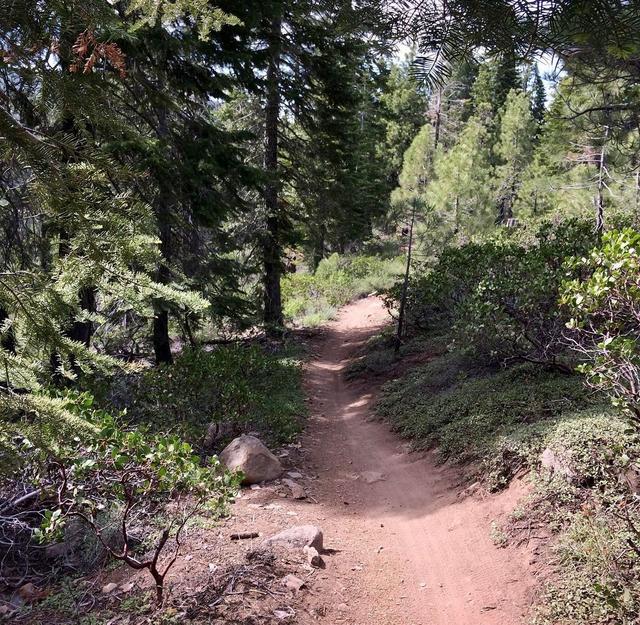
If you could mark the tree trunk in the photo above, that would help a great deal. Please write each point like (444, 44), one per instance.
(8, 341)
(318, 248)
(405, 284)
(82, 331)
(161, 341)
(271, 245)
(438, 120)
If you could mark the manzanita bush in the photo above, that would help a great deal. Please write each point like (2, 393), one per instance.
(604, 302)
(134, 474)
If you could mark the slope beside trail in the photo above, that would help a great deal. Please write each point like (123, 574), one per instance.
(411, 551)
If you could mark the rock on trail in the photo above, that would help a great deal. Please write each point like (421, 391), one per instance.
(249, 455)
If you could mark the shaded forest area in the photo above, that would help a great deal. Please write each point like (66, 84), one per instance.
(185, 185)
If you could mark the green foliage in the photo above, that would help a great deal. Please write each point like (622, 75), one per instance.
(466, 412)
(605, 306)
(514, 149)
(311, 299)
(38, 426)
(498, 297)
(240, 386)
(404, 105)
(461, 191)
(497, 76)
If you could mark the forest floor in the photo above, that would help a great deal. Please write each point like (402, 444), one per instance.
(408, 542)
(410, 545)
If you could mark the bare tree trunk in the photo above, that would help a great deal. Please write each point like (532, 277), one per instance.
(599, 199)
(438, 119)
(8, 341)
(82, 331)
(161, 341)
(405, 284)
(271, 246)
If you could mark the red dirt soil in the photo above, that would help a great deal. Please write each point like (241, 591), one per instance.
(405, 548)
(409, 549)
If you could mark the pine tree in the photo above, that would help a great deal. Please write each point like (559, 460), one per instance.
(538, 95)
(514, 150)
(497, 76)
(460, 193)
(404, 108)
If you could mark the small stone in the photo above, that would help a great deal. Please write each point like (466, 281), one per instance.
(127, 587)
(59, 550)
(313, 557)
(297, 492)
(557, 461)
(212, 567)
(342, 607)
(292, 582)
(109, 588)
(294, 475)
(281, 614)
(298, 536)
(371, 477)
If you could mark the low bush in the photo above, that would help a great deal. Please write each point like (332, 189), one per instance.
(463, 411)
(239, 387)
(498, 298)
(311, 299)
(116, 482)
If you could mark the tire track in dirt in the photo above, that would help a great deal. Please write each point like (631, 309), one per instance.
(409, 551)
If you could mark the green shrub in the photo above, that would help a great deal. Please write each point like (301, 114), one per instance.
(605, 306)
(311, 299)
(135, 475)
(243, 386)
(111, 480)
(465, 412)
(598, 578)
(498, 298)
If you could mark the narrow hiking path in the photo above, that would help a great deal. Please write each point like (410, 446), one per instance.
(405, 547)
(411, 551)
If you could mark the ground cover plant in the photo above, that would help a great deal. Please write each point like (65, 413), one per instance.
(311, 299)
(539, 380)
(208, 396)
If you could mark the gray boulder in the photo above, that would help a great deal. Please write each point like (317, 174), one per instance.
(558, 461)
(249, 455)
(298, 537)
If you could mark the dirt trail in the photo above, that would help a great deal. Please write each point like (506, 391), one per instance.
(410, 551)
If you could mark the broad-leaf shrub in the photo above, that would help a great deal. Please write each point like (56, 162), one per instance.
(243, 386)
(107, 471)
(310, 299)
(604, 302)
(498, 298)
(512, 312)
